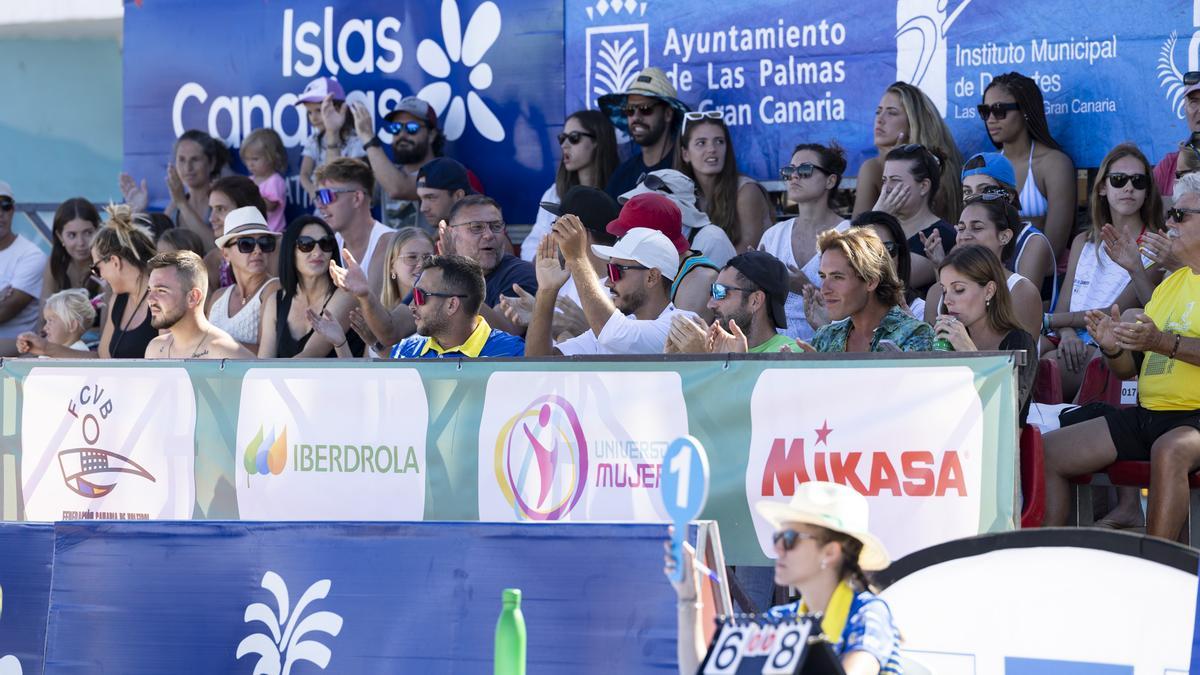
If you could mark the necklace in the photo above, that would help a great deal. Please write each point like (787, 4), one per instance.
(129, 320)
(195, 352)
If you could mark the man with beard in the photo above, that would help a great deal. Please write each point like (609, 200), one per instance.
(21, 267)
(416, 140)
(635, 320)
(747, 303)
(445, 307)
(651, 114)
(175, 296)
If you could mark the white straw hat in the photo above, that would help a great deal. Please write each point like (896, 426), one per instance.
(834, 507)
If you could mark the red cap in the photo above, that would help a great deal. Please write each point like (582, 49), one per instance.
(654, 211)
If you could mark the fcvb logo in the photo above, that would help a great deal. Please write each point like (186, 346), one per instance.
(266, 454)
(614, 54)
(90, 471)
(921, 28)
(1169, 75)
(541, 460)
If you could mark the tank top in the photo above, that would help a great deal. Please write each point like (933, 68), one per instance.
(377, 231)
(1033, 202)
(287, 346)
(132, 343)
(693, 260)
(1098, 281)
(1049, 286)
(242, 326)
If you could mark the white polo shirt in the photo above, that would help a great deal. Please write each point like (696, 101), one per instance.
(625, 334)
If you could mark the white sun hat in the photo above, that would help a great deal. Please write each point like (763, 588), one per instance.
(834, 507)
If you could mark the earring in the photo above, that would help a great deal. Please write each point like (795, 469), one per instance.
(824, 564)
(393, 276)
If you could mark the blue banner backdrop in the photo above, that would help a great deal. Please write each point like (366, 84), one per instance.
(355, 597)
(783, 76)
(26, 557)
(493, 71)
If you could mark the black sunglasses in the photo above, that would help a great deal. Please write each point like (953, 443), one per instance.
(803, 170)
(892, 248)
(7, 204)
(421, 296)
(1118, 180)
(615, 271)
(989, 196)
(643, 110)
(789, 538)
(1000, 110)
(655, 183)
(96, 266)
(246, 245)
(574, 137)
(306, 243)
(412, 128)
(1177, 214)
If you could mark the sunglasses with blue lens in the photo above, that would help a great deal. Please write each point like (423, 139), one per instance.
(411, 128)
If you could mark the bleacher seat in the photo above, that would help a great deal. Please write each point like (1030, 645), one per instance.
(1033, 479)
(1047, 384)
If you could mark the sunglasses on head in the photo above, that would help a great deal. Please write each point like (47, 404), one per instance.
(789, 538)
(411, 128)
(1191, 77)
(305, 244)
(1118, 180)
(998, 110)
(1177, 214)
(721, 291)
(7, 204)
(892, 248)
(246, 245)
(655, 183)
(422, 296)
(574, 136)
(988, 196)
(328, 196)
(698, 115)
(644, 109)
(802, 170)
(615, 271)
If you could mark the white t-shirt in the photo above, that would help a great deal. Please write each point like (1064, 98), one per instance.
(21, 267)
(714, 244)
(625, 334)
(777, 241)
(542, 225)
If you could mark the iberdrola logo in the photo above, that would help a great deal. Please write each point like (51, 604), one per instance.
(266, 454)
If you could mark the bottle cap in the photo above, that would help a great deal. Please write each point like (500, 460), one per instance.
(512, 595)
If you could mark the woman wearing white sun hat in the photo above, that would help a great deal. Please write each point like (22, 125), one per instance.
(823, 548)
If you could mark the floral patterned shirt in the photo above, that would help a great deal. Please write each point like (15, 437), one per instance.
(909, 334)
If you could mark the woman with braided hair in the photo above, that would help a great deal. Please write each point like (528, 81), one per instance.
(823, 550)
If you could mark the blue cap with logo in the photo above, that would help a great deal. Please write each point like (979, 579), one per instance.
(993, 164)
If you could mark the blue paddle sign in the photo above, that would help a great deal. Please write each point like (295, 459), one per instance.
(684, 487)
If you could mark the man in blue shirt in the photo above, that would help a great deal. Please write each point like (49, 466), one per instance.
(445, 308)
(475, 229)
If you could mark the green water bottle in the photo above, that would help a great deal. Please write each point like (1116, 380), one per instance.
(510, 636)
(942, 345)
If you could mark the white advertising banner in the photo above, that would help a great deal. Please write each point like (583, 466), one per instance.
(577, 446)
(326, 444)
(108, 444)
(910, 439)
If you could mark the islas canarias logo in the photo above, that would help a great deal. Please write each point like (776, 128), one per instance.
(92, 472)
(542, 459)
(266, 454)
(282, 643)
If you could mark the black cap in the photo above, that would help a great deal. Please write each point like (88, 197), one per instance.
(444, 173)
(768, 273)
(594, 207)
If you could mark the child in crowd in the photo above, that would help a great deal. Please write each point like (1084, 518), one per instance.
(265, 158)
(333, 135)
(68, 315)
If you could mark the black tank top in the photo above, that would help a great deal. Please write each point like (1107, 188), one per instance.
(132, 343)
(287, 346)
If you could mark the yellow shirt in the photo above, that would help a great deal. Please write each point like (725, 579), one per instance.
(1171, 384)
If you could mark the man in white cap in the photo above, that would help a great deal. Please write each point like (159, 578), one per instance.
(702, 234)
(635, 320)
(651, 113)
(175, 296)
(21, 266)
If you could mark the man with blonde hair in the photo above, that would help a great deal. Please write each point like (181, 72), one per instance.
(177, 287)
(863, 296)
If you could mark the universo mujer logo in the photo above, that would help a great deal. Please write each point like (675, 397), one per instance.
(541, 459)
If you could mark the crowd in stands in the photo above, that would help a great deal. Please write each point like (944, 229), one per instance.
(670, 250)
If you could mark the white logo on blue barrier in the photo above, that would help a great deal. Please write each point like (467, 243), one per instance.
(614, 55)
(282, 647)
(468, 48)
(9, 665)
(1170, 76)
(921, 28)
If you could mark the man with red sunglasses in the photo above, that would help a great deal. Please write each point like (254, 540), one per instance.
(21, 267)
(635, 320)
(445, 307)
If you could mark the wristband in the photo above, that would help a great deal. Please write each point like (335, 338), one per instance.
(373, 143)
(1111, 356)
(343, 344)
(1175, 349)
(1046, 323)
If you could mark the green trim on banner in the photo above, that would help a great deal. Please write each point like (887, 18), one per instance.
(717, 393)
